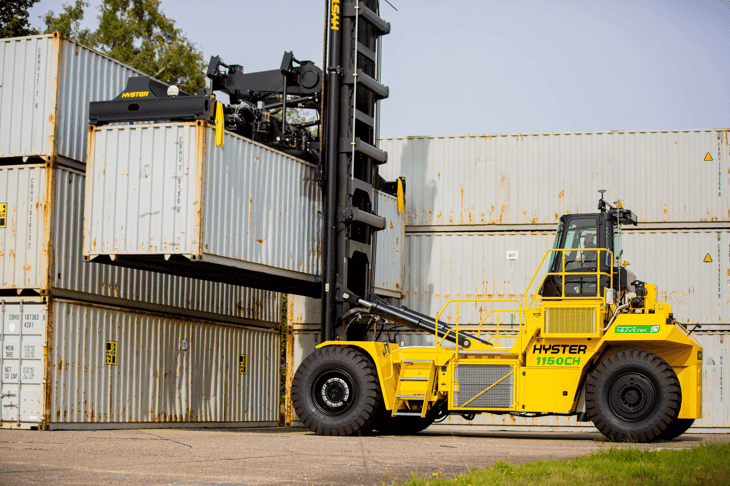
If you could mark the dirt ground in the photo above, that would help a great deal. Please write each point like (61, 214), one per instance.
(277, 455)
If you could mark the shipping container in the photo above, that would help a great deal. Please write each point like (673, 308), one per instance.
(303, 335)
(669, 176)
(690, 267)
(40, 250)
(165, 197)
(46, 85)
(68, 364)
(389, 256)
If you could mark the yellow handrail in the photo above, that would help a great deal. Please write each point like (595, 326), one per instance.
(457, 327)
(597, 273)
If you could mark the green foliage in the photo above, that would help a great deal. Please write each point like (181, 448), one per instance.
(14, 18)
(137, 33)
(708, 463)
(68, 22)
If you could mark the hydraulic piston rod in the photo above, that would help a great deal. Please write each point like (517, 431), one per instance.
(413, 320)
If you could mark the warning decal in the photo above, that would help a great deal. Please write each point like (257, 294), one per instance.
(111, 353)
(708, 157)
(3, 215)
(242, 364)
(708, 259)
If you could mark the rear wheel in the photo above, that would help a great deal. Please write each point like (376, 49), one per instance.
(336, 391)
(633, 396)
(675, 429)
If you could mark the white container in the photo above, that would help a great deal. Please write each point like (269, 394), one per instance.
(389, 244)
(499, 265)
(46, 85)
(40, 250)
(102, 366)
(165, 197)
(668, 176)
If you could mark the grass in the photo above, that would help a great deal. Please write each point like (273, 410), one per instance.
(706, 464)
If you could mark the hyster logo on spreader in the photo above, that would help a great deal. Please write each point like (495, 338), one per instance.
(335, 20)
(136, 94)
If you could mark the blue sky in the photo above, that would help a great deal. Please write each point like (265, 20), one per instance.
(477, 67)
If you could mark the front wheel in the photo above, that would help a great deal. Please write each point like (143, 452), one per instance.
(633, 396)
(336, 391)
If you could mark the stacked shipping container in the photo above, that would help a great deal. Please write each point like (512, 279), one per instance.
(87, 344)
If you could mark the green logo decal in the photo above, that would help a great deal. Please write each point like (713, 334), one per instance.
(637, 329)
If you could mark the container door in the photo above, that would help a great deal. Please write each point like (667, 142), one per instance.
(23, 339)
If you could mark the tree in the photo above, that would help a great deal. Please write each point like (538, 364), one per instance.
(137, 33)
(68, 22)
(14, 18)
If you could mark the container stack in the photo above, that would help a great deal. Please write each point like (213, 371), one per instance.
(91, 345)
(483, 210)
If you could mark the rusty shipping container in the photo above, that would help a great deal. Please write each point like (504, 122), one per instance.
(73, 365)
(668, 176)
(303, 335)
(40, 251)
(165, 197)
(691, 268)
(46, 85)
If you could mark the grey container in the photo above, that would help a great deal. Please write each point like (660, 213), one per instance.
(165, 197)
(46, 85)
(671, 176)
(76, 365)
(40, 250)
(690, 267)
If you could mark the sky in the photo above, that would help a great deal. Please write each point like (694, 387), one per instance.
(482, 67)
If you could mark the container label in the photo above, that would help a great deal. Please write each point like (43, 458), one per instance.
(243, 364)
(111, 353)
(28, 373)
(3, 215)
(637, 329)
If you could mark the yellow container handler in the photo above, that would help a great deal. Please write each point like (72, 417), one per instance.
(592, 342)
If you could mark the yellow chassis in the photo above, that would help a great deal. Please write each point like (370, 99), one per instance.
(558, 344)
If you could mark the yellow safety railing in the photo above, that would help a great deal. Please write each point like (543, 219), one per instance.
(494, 330)
(597, 273)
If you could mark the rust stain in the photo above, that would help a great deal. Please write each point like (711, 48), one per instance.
(260, 241)
(439, 176)
(461, 207)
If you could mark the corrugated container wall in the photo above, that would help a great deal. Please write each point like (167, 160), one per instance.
(107, 365)
(46, 85)
(664, 176)
(40, 249)
(389, 255)
(164, 196)
(443, 266)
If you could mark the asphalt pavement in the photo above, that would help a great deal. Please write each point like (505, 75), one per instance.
(275, 456)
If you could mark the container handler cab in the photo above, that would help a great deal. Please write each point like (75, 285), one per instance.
(593, 342)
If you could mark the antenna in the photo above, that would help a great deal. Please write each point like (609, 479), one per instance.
(601, 202)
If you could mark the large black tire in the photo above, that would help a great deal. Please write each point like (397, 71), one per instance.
(675, 429)
(336, 391)
(633, 396)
